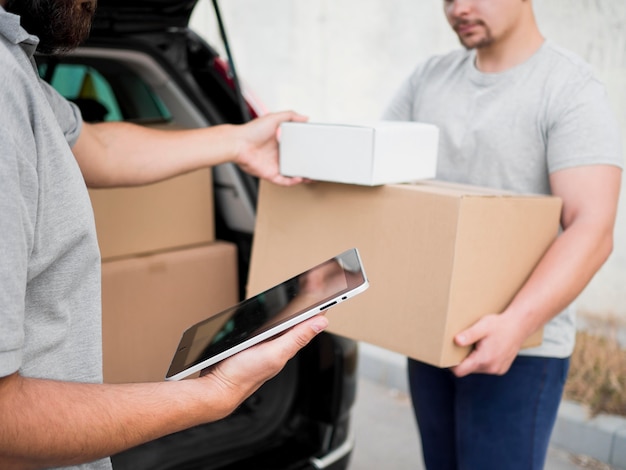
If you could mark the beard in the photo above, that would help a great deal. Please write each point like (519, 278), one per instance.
(484, 40)
(60, 25)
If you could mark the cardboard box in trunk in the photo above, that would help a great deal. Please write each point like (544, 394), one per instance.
(438, 256)
(148, 302)
(175, 213)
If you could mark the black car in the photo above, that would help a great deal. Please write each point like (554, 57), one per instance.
(142, 63)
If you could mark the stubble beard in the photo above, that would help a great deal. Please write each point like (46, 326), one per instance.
(485, 40)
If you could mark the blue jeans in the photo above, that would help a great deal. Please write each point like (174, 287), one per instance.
(483, 422)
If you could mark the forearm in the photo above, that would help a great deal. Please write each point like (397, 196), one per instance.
(47, 423)
(590, 195)
(562, 274)
(124, 154)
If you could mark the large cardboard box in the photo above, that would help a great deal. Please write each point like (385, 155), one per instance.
(174, 213)
(368, 154)
(148, 302)
(438, 256)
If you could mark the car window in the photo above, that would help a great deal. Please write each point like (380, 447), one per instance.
(104, 90)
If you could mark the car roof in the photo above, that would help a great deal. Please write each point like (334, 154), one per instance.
(140, 16)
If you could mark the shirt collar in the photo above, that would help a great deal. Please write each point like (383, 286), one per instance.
(10, 28)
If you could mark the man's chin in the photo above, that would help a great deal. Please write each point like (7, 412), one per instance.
(475, 43)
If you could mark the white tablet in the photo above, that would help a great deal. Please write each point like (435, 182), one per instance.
(268, 313)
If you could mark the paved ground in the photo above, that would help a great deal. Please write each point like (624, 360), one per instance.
(386, 436)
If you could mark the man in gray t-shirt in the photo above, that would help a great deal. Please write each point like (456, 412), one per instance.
(516, 112)
(54, 409)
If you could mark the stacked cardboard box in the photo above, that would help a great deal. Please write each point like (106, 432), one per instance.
(171, 214)
(438, 256)
(162, 271)
(149, 301)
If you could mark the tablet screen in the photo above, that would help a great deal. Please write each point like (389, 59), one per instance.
(310, 290)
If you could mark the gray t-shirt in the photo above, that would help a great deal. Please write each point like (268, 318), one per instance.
(49, 259)
(510, 130)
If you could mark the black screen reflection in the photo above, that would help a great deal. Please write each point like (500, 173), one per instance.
(267, 310)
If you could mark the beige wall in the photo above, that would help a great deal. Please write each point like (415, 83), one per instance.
(343, 59)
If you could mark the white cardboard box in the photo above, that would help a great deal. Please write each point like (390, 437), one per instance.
(368, 154)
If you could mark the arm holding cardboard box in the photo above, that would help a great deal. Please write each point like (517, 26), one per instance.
(124, 154)
(590, 196)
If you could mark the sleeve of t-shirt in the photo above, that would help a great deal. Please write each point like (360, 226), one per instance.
(13, 255)
(67, 113)
(584, 130)
(15, 224)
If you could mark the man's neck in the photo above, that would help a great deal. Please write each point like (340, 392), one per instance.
(507, 52)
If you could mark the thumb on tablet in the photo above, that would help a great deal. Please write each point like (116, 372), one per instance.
(236, 378)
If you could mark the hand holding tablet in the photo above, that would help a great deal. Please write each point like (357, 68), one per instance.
(268, 313)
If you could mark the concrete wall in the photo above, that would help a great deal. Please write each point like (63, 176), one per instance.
(343, 59)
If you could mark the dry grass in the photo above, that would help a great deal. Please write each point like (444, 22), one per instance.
(597, 376)
(583, 461)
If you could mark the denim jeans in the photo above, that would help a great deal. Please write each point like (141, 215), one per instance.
(483, 422)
